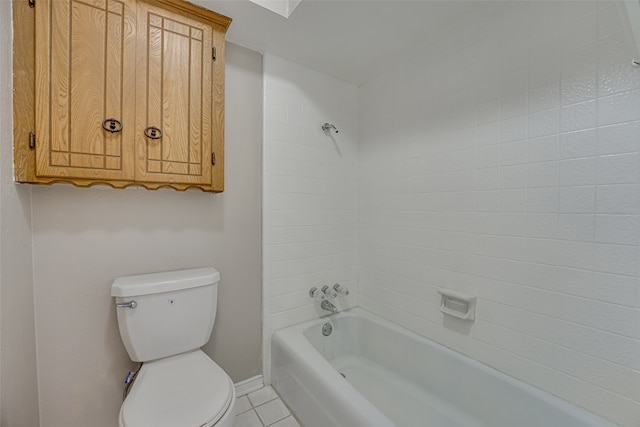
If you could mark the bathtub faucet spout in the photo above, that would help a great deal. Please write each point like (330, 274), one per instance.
(327, 305)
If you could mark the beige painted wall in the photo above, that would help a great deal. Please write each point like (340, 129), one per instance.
(84, 238)
(18, 385)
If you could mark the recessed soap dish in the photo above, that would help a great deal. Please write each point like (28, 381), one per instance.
(457, 304)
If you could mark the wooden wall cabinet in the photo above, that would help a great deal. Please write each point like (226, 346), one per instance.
(119, 92)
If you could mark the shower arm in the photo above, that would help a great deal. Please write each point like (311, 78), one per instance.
(328, 126)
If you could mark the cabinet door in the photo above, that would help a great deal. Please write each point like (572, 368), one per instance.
(174, 97)
(85, 52)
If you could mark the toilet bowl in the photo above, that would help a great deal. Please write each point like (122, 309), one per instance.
(164, 319)
(188, 390)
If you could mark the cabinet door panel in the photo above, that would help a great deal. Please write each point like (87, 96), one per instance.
(84, 75)
(173, 95)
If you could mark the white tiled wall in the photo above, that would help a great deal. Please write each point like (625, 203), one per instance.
(310, 192)
(502, 160)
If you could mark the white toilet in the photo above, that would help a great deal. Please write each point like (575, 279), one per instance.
(164, 319)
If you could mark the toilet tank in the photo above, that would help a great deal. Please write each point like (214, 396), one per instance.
(174, 311)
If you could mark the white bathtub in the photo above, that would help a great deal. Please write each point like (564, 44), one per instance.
(393, 377)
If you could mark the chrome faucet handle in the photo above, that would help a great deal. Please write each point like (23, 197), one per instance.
(341, 289)
(317, 294)
(329, 292)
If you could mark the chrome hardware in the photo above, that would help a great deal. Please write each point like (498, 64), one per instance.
(326, 305)
(112, 125)
(327, 329)
(153, 132)
(32, 141)
(341, 289)
(330, 293)
(32, 3)
(317, 294)
(128, 304)
(328, 126)
(635, 63)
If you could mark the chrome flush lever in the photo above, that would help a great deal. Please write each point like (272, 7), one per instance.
(128, 304)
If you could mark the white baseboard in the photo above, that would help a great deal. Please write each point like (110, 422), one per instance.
(249, 385)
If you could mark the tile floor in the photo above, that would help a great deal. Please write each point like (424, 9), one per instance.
(263, 408)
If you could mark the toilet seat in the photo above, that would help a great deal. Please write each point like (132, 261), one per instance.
(187, 390)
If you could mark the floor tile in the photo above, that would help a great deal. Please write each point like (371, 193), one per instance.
(287, 422)
(263, 395)
(247, 419)
(242, 404)
(271, 412)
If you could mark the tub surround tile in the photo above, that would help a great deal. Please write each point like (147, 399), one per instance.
(555, 203)
(528, 149)
(310, 193)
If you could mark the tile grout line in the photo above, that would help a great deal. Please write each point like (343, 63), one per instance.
(291, 414)
(277, 397)
(272, 400)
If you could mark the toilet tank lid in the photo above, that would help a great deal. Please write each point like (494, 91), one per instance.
(168, 281)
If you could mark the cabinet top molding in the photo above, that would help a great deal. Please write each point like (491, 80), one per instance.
(194, 10)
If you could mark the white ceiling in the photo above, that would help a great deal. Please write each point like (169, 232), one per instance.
(351, 40)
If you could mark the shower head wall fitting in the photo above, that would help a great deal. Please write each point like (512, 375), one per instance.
(328, 126)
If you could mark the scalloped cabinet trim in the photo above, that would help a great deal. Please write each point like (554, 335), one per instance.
(119, 92)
